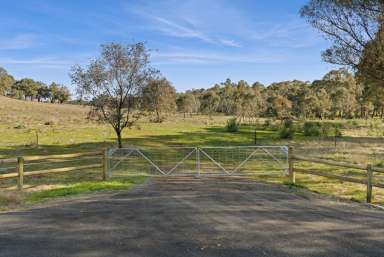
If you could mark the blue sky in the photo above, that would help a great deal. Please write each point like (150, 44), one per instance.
(196, 43)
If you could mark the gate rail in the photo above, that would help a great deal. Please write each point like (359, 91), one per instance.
(219, 160)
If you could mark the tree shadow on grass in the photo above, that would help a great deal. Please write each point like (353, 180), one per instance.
(213, 136)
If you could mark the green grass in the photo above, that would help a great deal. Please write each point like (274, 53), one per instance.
(84, 187)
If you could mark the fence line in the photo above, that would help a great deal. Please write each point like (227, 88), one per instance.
(368, 169)
(104, 163)
(54, 159)
(10, 160)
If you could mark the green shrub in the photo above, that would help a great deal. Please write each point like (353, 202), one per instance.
(311, 128)
(353, 124)
(325, 129)
(232, 125)
(19, 126)
(287, 130)
(269, 125)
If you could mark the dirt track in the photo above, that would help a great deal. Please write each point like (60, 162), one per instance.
(195, 217)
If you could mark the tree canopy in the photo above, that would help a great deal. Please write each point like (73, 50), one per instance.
(114, 82)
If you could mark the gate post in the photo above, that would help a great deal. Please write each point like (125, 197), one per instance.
(198, 161)
(105, 164)
(369, 183)
(291, 172)
(20, 172)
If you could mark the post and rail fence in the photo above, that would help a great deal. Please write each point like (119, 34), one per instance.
(19, 164)
(369, 169)
(22, 161)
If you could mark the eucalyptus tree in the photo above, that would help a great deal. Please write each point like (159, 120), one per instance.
(27, 88)
(114, 82)
(355, 28)
(43, 92)
(6, 81)
(349, 24)
(209, 102)
(159, 97)
(186, 103)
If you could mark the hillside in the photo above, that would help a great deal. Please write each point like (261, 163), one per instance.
(13, 111)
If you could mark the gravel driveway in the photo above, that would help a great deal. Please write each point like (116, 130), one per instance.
(195, 217)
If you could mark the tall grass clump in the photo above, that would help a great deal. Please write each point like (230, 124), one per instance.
(232, 125)
(287, 130)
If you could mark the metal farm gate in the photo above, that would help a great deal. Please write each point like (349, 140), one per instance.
(197, 161)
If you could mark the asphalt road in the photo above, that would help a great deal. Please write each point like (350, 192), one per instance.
(195, 217)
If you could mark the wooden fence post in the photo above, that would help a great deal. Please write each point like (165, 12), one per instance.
(291, 172)
(369, 183)
(105, 164)
(20, 173)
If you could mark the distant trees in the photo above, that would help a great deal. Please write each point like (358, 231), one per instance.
(43, 93)
(338, 95)
(29, 89)
(209, 102)
(58, 93)
(187, 103)
(159, 97)
(114, 82)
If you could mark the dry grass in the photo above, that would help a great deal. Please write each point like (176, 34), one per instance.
(13, 111)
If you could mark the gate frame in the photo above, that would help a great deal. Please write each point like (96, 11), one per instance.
(200, 150)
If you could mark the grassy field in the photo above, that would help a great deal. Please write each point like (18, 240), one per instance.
(65, 129)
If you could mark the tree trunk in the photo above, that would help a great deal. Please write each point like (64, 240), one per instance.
(157, 115)
(119, 139)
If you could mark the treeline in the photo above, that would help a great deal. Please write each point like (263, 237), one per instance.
(338, 95)
(29, 89)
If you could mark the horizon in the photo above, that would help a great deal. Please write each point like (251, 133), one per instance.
(196, 44)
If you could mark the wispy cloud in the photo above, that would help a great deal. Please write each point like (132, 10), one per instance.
(174, 29)
(22, 41)
(292, 34)
(43, 62)
(215, 58)
(183, 26)
(230, 43)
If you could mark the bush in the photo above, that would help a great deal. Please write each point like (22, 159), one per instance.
(311, 128)
(49, 123)
(316, 129)
(232, 125)
(19, 126)
(288, 130)
(269, 125)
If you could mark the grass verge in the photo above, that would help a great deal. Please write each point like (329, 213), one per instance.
(83, 187)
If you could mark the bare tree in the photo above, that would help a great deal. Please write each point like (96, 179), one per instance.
(113, 82)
